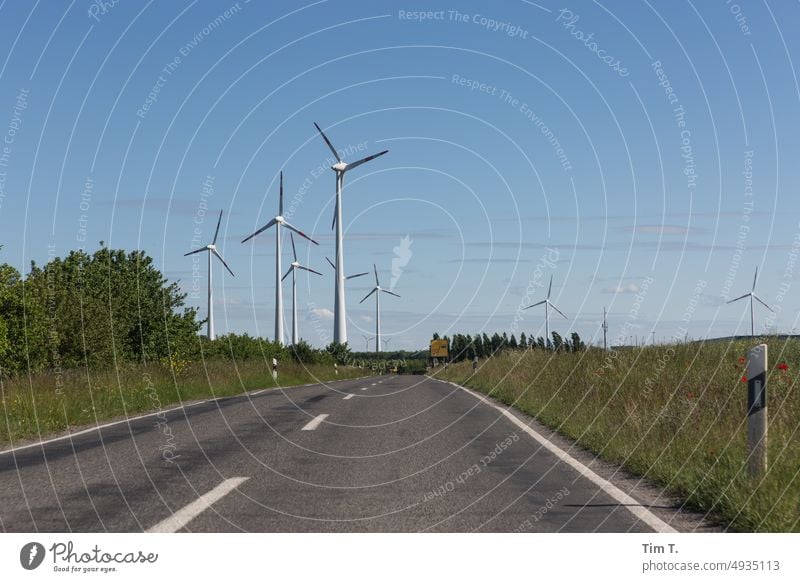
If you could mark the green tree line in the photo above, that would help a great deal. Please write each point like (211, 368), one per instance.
(113, 307)
(481, 345)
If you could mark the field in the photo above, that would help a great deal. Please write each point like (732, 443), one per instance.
(47, 403)
(676, 414)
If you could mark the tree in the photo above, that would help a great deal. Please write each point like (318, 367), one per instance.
(577, 344)
(523, 341)
(478, 343)
(95, 310)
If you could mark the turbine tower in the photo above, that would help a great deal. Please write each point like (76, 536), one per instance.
(293, 270)
(211, 250)
(377, 290)
(547, 303)
(752, 295)
(340, 167)
(278, 222)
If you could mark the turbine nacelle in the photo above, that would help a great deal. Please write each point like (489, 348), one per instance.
(339, 167)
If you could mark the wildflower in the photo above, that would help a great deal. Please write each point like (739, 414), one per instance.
(741, 360)
(783, 366)
(690, 395)
(744, 378)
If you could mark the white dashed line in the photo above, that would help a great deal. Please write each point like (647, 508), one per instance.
(348, 397)
(315, 422)
(179, 519)
(365, 387)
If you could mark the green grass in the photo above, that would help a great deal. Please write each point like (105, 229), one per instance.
(44, 404)
(676, 414)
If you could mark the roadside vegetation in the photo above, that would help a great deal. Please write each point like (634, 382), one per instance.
(91, 337)
(676, 414)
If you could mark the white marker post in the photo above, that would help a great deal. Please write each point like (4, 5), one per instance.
(757, 410)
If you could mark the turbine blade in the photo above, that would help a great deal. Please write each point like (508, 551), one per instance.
(754, 279)
(309, 270)
(757, 298)
(280, 200)
(219, 256)
(557, 309)
(365, 160)
(287, 273)
(550, 288)
(301, 233)
(294, 250)
(536, 304)
(333, 222)
(330, 262)
(368, 294)
(216, 232)
(357, 275)
(390, 292)
(327, 141)
(737, 299)
(375, 268)
(272, 222)
(195, 252)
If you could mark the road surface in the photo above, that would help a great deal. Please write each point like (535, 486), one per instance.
(388, 453)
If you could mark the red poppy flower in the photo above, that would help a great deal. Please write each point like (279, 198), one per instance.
(783, 366)
(741, 360)
(744, 378)
(690, 395)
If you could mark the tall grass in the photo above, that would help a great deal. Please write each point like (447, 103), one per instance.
(676, 414)
(46, 403)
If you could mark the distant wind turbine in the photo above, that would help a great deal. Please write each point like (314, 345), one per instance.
(752, 295)
(367, 339)
(340, 167)
(211, 250)
(277, 222)
(377, 290)
(547, 303)
(293, 270)
(348, 276)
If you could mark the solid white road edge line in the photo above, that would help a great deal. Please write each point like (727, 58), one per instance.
(348, 397)
(315, 422)
(609, 488)
(180, 518)
(149, 414)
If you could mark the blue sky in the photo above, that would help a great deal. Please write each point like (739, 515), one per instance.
(644, 155)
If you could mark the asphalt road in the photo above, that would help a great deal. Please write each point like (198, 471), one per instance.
(394, 453)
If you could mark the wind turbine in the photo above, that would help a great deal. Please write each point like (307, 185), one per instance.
(377, 290)
(347, 276)
(547, 303)
(293, 270)
(605, 330)
(211, 250)
(752, 295)
(278, 222)
(367, 339)
(340, 167)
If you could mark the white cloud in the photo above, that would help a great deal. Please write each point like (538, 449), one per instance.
(619, 289)
(322, 313)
